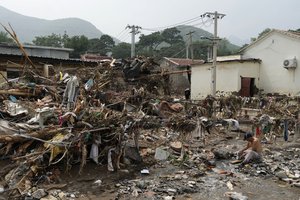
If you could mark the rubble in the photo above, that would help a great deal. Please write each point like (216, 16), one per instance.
(119, 115)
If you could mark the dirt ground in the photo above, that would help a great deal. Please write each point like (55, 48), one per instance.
(211, 184)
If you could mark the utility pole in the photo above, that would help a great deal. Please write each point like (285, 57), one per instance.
(215, 15)
(190, 46)
(134, 31)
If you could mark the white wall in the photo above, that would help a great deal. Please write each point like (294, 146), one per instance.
(273, 50)
(228, 77)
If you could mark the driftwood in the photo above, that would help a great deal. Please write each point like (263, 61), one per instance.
(43, 134)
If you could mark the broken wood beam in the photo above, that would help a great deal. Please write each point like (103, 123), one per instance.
(16, 92)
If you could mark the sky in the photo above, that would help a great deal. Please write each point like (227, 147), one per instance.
(244, 18)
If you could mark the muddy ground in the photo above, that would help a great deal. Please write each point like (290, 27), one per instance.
(187, 179)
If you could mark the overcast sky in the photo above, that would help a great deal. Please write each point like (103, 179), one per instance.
(244, 18)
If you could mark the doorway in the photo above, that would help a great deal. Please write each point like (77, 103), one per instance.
(247, 87)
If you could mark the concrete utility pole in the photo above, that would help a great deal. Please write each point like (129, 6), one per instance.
(134, 31)
(190, 46)
(215, 15)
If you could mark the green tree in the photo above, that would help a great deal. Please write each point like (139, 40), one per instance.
(79, 44)
(176, 50)
(107, 44)
(5, 38)
(94, 45)
(223, 49)
(52, 40)
(122, 50)
(200, 49)
(102, 46)
(171, 36)
(151, 41)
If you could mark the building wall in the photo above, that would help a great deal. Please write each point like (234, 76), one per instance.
(40, 52)
(228, 77)
(273, 50)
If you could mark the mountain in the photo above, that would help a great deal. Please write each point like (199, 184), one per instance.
(200, 33)
(197, 35)
(238, 41)
(27, 28)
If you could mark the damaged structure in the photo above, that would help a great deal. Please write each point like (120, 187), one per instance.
(119, 115)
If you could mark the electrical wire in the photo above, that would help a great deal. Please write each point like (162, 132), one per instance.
(121, 33)
(178, 52)
(176, 24)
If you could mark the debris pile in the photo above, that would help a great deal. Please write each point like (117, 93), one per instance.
(118, 113)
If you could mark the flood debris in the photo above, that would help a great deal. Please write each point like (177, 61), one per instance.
(120, 115)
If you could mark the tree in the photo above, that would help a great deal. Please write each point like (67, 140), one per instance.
(80, 45)
(200, 49)
(94, 45)
(102, 46)
(122, 50)
(4, 38)
(171, 36)
(52, 40)
(151, 41)
(107, 44)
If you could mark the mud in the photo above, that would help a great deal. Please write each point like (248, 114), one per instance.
(210, 185)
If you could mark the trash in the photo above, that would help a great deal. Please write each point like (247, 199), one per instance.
(1, 189)
(161, 154)
(98, 183)
(38, 194)
(89, 84)
(117, 114)
(145, 171)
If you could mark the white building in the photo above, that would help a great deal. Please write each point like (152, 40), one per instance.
(279, 52)
(234, 74)
(268, 64)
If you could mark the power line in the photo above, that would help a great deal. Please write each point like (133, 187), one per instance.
(124, 36)
(122, 32)
(176, 24)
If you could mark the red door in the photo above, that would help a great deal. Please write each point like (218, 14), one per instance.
(246, 87)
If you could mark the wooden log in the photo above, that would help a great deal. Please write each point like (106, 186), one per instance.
(20, 138)
(16, 92)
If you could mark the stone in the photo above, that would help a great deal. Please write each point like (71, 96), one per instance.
(62, 195)
(49, 197)
(192, 182)
(281, 174)
(40, 193)
(236, 196)
(177, 146)
(161, 154)
(168, 197)
(296, 184)
(221, 154)
(171, 190)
